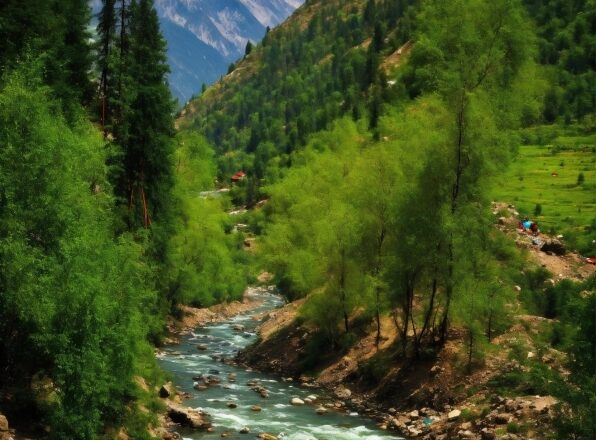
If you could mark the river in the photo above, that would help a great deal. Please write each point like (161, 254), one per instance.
(220, 341)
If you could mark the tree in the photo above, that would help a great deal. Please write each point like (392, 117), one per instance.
(248, 49)
(148, 148)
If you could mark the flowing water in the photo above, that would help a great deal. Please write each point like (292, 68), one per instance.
(279, 418)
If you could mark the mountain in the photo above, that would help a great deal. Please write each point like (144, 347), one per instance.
(205, 36)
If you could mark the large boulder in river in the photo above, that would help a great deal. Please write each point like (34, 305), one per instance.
(554, 246)
(188, 417)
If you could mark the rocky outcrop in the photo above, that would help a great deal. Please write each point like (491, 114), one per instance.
(188, 417)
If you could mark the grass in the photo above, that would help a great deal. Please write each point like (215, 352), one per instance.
(566, 207)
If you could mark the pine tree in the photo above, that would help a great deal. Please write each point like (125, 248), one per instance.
(148, 167)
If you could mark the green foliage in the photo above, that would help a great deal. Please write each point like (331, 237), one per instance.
(72, 298)
(298, 81)
(204, 263)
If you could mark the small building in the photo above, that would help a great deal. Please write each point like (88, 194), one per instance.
(240, 175)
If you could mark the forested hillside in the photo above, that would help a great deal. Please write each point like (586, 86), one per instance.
(102, 234)
(339, 58)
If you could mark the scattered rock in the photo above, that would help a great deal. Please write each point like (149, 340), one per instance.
(296, 401)
(265, 436)
(201, 347)
(466, 434)
(342, 392)
(503, 418)
(453, 415)
(321, 410)
(517, 288)
(244, 430)
(166, 390)
(255, 408)
(414, 414)
(555, 246)
(487, 434)
(232, 405)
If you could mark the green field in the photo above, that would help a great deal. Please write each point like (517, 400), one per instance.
(566, 207)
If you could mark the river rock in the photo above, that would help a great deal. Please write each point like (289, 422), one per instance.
(244, 430)
(312, 397)
(265, 436)
(201, 347)
(465, 434)
(187, 417)
(454, 414)
(342, 392)
(201, 387)
(256, 408)
(232, 405)
(321, 410)
(238, 327)
(296, 401)
(414, 414)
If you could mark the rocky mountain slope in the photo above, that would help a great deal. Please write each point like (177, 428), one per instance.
(205, 36)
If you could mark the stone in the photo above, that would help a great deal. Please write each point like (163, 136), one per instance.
(312, 397)
(555, 246)
(465, 426)
(487, 434)
(3, 423)
(321, 410)
(244, 430)
(296, 401)
(265, 436)
(238, 327)
(517, 288)
(465, 434)
(503, 418)
(201, 387)
(454, 414)
(414, 414)
(255, 408)
(201, 347)
(232, 405)
(342, 392)
(166, 390)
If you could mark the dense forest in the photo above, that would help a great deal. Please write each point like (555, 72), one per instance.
(371, 130)
(102, 232)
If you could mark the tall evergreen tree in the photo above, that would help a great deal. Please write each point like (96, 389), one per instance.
(148, 149)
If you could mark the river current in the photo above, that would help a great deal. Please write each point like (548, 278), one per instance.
(278, 417)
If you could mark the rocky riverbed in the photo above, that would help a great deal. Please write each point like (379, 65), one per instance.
(228, 400)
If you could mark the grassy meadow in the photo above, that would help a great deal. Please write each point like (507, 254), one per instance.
(547, 175)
